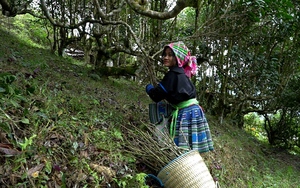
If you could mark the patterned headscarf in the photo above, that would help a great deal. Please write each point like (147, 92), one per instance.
(184, 58)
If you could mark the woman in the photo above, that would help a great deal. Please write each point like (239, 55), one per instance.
(189, 126)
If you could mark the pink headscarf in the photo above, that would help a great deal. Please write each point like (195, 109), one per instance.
(184, 58)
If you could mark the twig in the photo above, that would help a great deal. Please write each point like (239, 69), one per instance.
(145, 145)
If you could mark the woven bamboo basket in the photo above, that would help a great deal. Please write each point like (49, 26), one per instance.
(187, 171)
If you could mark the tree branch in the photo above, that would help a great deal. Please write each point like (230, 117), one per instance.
(143, 10)
(9, 9)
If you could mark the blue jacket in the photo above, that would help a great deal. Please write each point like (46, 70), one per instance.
(175, 87)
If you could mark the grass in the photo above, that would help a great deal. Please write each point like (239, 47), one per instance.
(61, 125)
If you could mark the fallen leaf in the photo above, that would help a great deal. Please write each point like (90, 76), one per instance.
(34, 172)
(106, 171)
(8, 149)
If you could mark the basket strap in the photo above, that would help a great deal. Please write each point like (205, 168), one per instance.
(156, 178)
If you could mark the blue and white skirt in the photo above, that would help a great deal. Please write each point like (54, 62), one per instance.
(192, 130)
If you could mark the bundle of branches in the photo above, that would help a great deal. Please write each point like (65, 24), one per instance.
(155, 148)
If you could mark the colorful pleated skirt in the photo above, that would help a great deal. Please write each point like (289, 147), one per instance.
(192, 130)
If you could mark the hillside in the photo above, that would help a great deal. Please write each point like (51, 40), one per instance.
(60, 127)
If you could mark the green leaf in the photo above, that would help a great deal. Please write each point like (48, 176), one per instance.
(48, 167)
(14, 103)
(25, 121)
(118, 134)
(27, 142)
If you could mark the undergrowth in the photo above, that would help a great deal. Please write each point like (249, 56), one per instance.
(60, 126)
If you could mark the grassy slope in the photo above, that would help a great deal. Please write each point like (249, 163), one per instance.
(75, 117)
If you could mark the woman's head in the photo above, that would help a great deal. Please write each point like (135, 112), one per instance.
(181, 57)
(169, 59)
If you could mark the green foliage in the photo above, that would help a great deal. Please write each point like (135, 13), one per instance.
(27, 142)
(136, 181)
(7, 90)
(283, 129)
(253, 123)
(35, 33)
(255, 163)
(185, 23)
(290, 97)
(64, 120)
